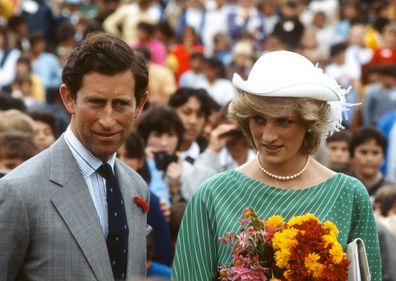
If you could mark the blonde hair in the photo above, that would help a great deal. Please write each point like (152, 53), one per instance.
(15, 120)
(315, 114)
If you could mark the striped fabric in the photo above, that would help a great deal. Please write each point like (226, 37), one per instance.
(88, 165)
(216, 207)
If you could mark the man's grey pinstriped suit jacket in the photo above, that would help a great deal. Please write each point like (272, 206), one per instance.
(49, 228)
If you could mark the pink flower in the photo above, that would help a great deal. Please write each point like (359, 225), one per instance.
(247, 212)
(246, 274)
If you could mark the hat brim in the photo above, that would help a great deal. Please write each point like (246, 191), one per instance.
(314, 90)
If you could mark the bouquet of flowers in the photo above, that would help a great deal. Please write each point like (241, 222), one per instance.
(302, 248)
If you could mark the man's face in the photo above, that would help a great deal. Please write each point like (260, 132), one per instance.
(104, 111)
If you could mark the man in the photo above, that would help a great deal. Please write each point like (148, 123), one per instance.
(62, 217)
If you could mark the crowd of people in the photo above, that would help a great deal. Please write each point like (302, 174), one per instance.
(199, 54)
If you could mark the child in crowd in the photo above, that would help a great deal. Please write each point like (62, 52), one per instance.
(45, 132)
(154, 268)
(194, 76)
(367, 149)
(15, 120)
(177, 211)
(385, 206)
(337, 151)
(132, 154)
(15, 148)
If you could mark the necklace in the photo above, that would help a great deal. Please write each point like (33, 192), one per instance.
(282, 178)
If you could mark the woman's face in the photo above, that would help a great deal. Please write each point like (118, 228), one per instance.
(278, 139)
(192, 117)
(164, 142)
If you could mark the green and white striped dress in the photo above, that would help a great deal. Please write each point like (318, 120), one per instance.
(218, 204)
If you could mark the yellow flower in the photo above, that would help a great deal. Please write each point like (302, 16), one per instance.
(337, 253)
(331, 227)
(285, 239)
(282, 243)
(329, 239)
(301, 219)
(281, 258)
(312, 263)
(274, 221)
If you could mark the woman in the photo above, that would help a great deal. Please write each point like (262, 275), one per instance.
(194, 107)
(285, 107)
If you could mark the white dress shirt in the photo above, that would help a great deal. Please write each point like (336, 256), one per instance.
(88, 164)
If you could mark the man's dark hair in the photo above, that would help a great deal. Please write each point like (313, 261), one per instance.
(108, 55)
(161, 119)
(365, 134)
(182, 95)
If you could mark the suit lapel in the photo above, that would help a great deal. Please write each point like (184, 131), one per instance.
(75, 206)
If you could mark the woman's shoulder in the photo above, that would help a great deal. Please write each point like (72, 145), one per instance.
(350, 184)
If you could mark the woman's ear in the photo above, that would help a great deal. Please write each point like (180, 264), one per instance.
(67, 99)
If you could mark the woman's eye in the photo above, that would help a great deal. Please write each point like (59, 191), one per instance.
(285, 121)
(258, 119)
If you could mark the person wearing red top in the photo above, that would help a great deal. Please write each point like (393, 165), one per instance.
(180, 53)
(386, 53)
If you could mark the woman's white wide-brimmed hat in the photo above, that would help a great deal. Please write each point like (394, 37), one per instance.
(288, 74)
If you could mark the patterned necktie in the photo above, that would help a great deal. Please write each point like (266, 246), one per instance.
(117, 239)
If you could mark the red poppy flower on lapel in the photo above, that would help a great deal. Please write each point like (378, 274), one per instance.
(141, 203)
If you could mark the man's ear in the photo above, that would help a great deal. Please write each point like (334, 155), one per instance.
(67, 98)
(140, 106)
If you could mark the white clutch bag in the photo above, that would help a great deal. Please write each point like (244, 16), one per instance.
(358, 270)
